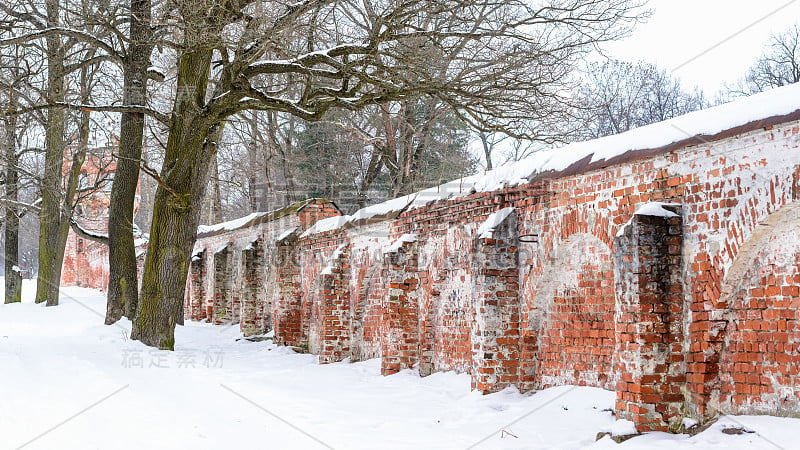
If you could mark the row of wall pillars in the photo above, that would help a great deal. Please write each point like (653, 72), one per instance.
(649, 360)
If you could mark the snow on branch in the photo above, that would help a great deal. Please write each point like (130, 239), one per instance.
(86, 234)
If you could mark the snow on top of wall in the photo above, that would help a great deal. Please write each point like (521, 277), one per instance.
(708, 122)
(323, 225)
(245, 242)
(256, 218)
(286, 234)
(328, 270)
(219, 248)
(400, 241)
(229, 225)
(486, 230)
(650, 209)
(656, 209)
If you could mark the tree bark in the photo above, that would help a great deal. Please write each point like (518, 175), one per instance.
(215, 200)
(252, 155)
(123, 289)
(191, 147)
(50, 257)
(13, 277)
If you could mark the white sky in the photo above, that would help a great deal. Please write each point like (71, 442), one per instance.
(680, 30)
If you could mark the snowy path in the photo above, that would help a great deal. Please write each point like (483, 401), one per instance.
(69, 382)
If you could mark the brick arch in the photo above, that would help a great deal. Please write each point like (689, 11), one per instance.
(758, 332)
(446, 304)
(556, 228)
(763, 202)
(571, 312)
(713, 270)
(368, 290)
(577, 221)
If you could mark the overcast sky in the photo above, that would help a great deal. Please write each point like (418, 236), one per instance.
(680, 30)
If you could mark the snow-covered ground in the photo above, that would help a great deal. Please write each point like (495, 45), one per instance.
(69, 382)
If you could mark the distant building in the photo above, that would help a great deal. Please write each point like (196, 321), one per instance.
(86, 261)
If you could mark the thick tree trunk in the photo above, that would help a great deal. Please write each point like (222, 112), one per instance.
(176, 212)
(50, 257)
(123, 290)
(13, 277)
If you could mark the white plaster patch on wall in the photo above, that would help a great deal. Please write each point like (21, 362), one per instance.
(563, 273)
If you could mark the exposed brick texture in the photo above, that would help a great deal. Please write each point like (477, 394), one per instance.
(287, 313)
(496, 332)
(400, 349)
(690, 315)
(649, 325)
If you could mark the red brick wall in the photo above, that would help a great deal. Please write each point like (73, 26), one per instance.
(570, 324)
(758, 368)
(694, 314)
(576, 344)
(368, 290)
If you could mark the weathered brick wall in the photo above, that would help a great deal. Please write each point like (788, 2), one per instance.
(661, 353)
(368, 287)
(573, 315)
(649, 325)
(401, 308)
(758, 365)
(689, 312)
(496, 331)
(244, 272)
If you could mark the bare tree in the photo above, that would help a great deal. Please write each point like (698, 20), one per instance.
(71, 64)
(617, 96)
(413, 144)
(11, 156)
(779, 65)
(507, 62)
(498, 66)
(18, 67)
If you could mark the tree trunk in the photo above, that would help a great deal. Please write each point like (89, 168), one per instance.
(50, 257)
(252, 155)
(487, 150)
(215, 200)
(13, 283)
(190, 150)
(123, 290)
